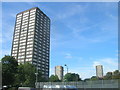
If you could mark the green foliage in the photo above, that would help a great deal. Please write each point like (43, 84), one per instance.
(94, 78)
(54, 78)
(87, 79)
(26, 75)
(112, 75)
(19, 75)
(72, 77)
(116, 74)
(108, 76)
(9, 69)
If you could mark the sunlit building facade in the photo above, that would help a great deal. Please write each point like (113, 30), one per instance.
(31, 39)
(59, 72)
(99, 71)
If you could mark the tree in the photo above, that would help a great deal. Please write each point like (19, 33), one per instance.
(16, 75)
(26, 75)
(108, 76)
(116, 74)
(54, 78)
(94, 78)
(87, 79)
(72, 77)
(9, 69)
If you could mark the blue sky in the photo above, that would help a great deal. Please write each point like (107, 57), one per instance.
(82, 34)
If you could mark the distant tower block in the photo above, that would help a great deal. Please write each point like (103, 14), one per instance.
(59, 72)
(99, 71)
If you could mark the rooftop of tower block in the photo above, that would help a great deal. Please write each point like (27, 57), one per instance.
(31, 9)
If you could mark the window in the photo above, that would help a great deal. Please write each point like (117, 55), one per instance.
(15, 45)
(26, 19)
(19, 19)
(22, 47)
(20, 57)
(30, 36)
(17, 27)
(29, 56)
(15, 39)
(14, 54)
(30, 52)
(40, 59)
(31, 24)
(21, 50)
(14, 49)
(24, 23)
(21, 54)
(40, 55)
(26, 13)
(32, 21)
(30, 30)
(16, 36)
(29, 46)
(19, 15)
(18, 22)
(31, 27)
(19, 60)
(35, 49)
(33, 15)
(32, 18)
(33, 10)
(35, 46)
(21, 44)
(28, 49)
(15, 42)
(24, 26)
(22, 41)
(30, 39)
(29, 42)
(25, 16)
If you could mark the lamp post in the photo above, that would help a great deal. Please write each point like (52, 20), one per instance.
(67, 67)
(36, 74)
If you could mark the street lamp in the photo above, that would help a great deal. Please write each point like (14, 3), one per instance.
(67, 67)
(36, 74)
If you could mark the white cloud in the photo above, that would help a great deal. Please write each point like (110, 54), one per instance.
(95, 63)
(110, 61)
(68, 56)
(111, 16)
(13, 15)
(70, 11)
(105, 31)
(84, 72)
(109, 64)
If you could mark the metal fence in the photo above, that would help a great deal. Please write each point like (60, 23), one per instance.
(87, 84)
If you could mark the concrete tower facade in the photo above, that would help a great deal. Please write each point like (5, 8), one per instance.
(59, 72)
(31, 39)
(99, 71)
